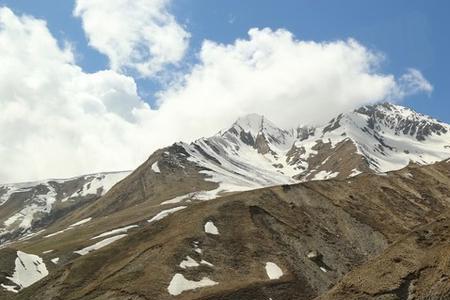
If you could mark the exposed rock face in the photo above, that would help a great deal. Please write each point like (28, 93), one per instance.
(261, 144)
(305, 132)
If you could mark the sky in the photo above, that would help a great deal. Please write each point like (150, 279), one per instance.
(97, 85)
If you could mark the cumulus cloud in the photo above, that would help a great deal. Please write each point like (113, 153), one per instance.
(56, 119)
(273, 74)
(59, 121)
(288, 80)
(139, 36)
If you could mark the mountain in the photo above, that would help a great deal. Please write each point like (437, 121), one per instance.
(295, 193)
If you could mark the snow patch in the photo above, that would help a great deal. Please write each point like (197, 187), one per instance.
(207, 263)
(180, 284)
(211, 228)
(354, 173)
(197, 248)
(189, 262)
(155, 167)
(273, 271)
(69, 228)
(80, 222)
(408, 175)
(9, 288)
(29, 268)
(56, 233)
(323, 175)
(115, 231)
(99, 245)
(55, 260)
(165, 213)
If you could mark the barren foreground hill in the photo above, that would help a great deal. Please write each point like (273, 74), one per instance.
(368, 237)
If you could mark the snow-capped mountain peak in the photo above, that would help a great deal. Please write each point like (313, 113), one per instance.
(254, 152)
(252, 123)
(260, 133)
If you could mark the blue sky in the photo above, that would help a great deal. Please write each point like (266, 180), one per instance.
(409, 33)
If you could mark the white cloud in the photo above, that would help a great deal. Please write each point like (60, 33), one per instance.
(59, 121)
(411, 83)
(273, 74)
(55, 120)
(139, 36)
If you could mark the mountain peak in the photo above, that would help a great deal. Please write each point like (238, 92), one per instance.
(252, 123)
(255, 124)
